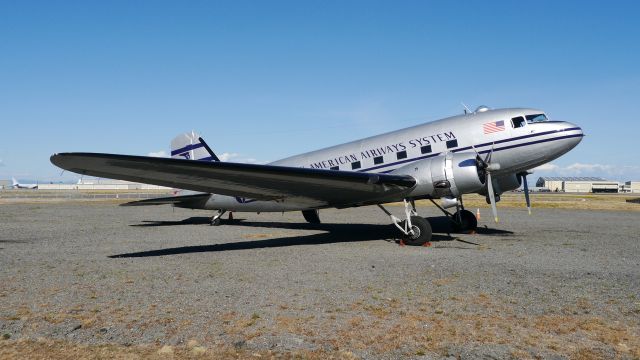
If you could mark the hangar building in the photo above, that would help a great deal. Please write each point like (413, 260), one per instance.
(631, 187)
(578, 184)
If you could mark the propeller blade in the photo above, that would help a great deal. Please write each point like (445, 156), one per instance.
(492, 196)
(526, 193)
(487, 158)
(476, 151)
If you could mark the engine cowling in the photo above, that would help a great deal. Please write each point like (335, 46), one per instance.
(452, 174)
(504, 183)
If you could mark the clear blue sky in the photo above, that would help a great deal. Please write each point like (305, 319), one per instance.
(266, 79)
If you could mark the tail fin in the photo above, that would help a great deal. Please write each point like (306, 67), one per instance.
(191, 147)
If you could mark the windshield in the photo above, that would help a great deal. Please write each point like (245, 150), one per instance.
(535, 118)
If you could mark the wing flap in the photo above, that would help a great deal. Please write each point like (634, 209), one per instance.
(260, 182)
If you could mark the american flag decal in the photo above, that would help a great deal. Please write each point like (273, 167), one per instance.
(493, 126)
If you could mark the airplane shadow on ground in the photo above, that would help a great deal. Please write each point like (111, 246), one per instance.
(334, 233)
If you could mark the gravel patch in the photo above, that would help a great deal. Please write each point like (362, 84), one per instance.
(557, 284)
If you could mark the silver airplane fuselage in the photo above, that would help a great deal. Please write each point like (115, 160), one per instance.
(514, 143)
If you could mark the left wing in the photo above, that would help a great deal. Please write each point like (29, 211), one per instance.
(262, 182)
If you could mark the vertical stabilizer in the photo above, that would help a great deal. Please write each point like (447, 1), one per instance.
(188, 146)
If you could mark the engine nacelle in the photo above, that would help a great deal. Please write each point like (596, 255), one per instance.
(503, 183)
(452, 174)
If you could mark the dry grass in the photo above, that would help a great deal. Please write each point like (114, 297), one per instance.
(612, 202)
(389, 327)
(36, 201)
(54, 350)
(616, 202)
(558, 334)
(384, 326)
(257, 236)
(9, 197)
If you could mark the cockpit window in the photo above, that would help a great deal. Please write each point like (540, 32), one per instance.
(517, 122)
(535, 118)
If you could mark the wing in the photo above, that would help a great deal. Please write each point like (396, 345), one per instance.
(262, 182)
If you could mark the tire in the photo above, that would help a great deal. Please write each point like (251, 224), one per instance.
(468, 223)
(312, 216)
(422, 230)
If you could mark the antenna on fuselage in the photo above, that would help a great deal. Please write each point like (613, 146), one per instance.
(466, 109)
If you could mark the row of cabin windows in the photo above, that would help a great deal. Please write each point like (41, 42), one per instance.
(399, 155)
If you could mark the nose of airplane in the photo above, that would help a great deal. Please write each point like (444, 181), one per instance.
(572, 134)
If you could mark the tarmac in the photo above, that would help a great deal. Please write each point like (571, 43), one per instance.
(556, 284)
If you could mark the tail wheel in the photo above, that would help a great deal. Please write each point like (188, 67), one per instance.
(421, 232)
(464, 221)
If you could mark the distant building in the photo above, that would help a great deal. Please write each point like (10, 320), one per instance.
(578, 184)
(631, 187)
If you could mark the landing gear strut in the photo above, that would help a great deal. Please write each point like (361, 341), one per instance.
(215, 220)
(416, 229)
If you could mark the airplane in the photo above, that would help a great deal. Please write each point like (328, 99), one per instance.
(487, 151)
(17, 185)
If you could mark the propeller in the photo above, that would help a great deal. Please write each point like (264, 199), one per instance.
(526, 191)
(486, 166)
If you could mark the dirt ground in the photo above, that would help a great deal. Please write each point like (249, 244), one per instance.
(94, 280)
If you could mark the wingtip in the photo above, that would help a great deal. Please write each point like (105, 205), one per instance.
(56, 155)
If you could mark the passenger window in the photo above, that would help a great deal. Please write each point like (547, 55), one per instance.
(452, 143)
(425, 149)
(355, 165)
(335, 168)
(377, 160)
(517, 122)
(401, 155)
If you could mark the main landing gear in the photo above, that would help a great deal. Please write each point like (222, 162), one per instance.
(416, 229)
(462, 221)
(216, 219)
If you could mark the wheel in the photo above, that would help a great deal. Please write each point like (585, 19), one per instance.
(312, 216)
(421, 231)
(215, 222)
(464, 221)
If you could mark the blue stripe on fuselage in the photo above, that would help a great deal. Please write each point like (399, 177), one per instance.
(516, 138)
(487, 144)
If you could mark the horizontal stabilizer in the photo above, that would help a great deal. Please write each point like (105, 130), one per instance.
(172, 200)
